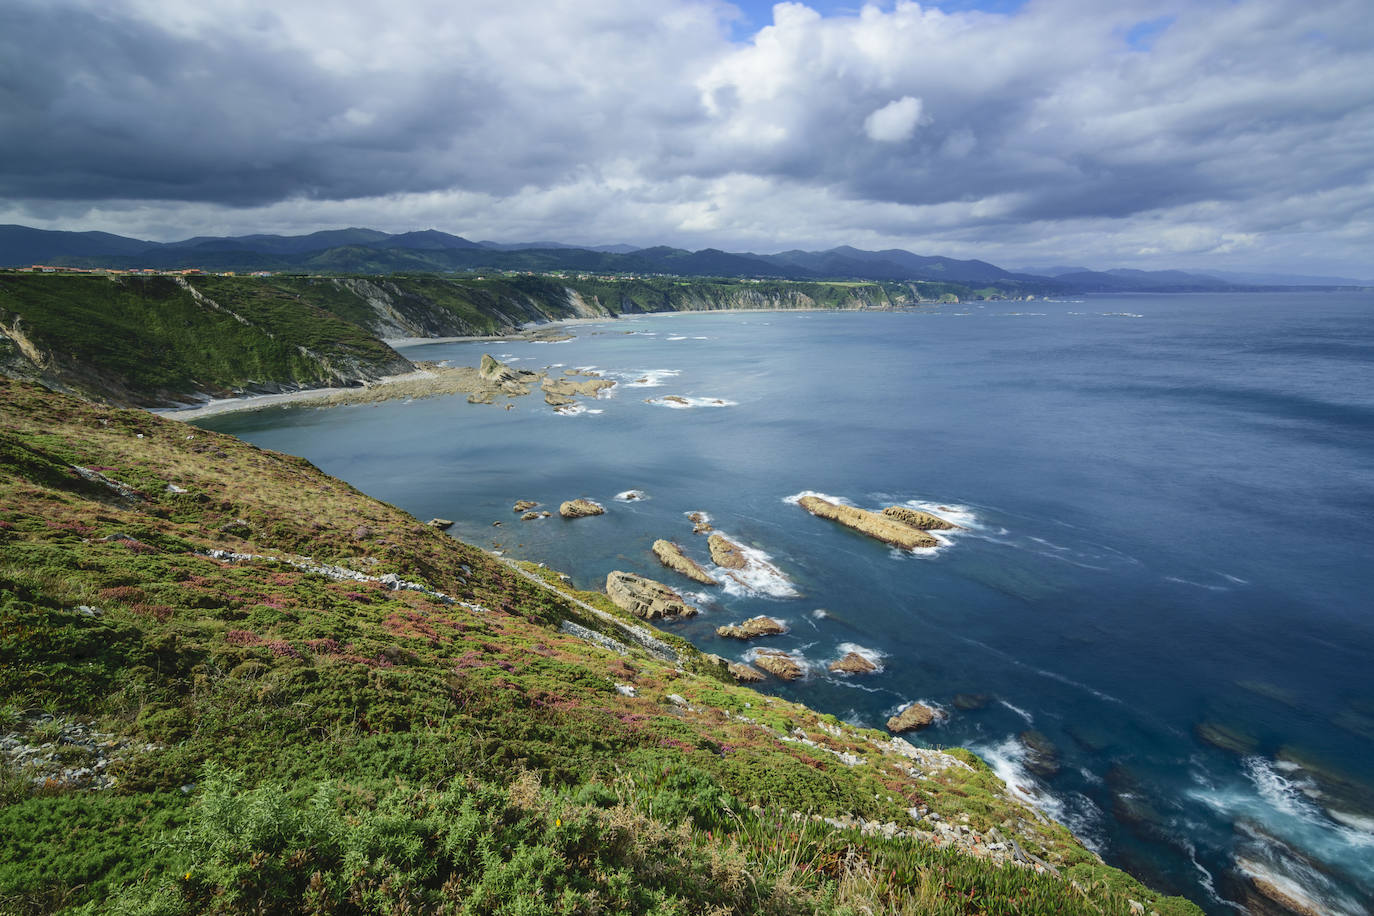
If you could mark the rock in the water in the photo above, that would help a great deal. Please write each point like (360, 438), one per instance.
(967, 702)
(1226, 738)
(725, 553)
(671, 556)
(751, 628)
(513, 381)
(779, 664)
(918, 519)
(531, 516)
(852, 663)
(646, 598)
(1042, 757)
(524, 505)
(744, 673)
(443, 524)
(700, 522)
(911, 718)
(580, 508)
(888, 530)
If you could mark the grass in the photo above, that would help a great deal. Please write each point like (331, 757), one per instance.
(298, 743)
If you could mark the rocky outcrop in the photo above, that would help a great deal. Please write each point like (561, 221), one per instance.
(580, 508)
(524, 505)
(745, 674)
(646, 598)
(443, 524)
(918, 519)
(726, 553)
(853, 663)
(559, 392)
(752, 628)
(912, 718)
(701, 523)
(875, 525)
(508, 379)
(779, 664)
(671, 556)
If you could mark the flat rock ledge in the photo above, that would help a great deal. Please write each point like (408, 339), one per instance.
(646, 598)
(918, 519)
(852, 663)
(752, 628)
(671, 556)
(912, 717)
(580, 508)
(725, 553)
(745, 674)
(874, 524)
(443, 524)
(779, 664)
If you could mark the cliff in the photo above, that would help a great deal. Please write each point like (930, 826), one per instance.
(231, 683)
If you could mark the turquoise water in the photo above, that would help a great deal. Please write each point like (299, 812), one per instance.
(1169, 504)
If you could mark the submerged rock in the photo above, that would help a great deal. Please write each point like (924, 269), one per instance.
(580, 508)
(968, 702)
(726, 553)
(744, 673)
(779, 664)
(1042, 756)
(752, 628)
(912, 717)
(1226, 738)
(646, 598)
(671, 556)
(888, 530)
(853, 663)
(918, 519)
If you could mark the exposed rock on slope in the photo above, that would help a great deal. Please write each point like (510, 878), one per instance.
(580, 508)
(646, 598)
(918, 519)
(888, 530)
(671, 556)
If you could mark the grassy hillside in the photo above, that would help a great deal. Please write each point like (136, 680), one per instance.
(148, 340)
(350, 712)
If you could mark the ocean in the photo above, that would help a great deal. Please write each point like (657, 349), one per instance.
(1162, 584)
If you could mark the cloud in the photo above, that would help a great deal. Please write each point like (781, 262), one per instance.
(894, 122)
(1196, 129)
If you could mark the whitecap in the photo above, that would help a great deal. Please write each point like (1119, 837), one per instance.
(575, 410)
(1202, 585)
(758, 577)
(675, 337)
(678, 402)
(820, 613)
(630, 496)
(1019, 711)
(796, 498)
(647, 378)
(1075, 810)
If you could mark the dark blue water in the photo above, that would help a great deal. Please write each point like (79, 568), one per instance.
(1170, 511)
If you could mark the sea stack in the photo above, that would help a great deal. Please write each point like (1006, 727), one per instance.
(671, 556)
(580, 508)
(646, 598)
(875, 525)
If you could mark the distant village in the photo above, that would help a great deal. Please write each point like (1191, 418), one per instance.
(138, 271)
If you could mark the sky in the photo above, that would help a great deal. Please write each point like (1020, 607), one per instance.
(1234, 134)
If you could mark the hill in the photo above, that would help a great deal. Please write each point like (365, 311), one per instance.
(230, 683)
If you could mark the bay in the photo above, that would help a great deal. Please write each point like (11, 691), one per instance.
(1168, 505)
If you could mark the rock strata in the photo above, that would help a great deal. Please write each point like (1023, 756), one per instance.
(508, 379)
(911, 718)
(853, 663)
(779, 664)
(875, 525)
(726, 553)
(646, 598)
(918, 519)
(580, 508)
(744, 673)
(752, 628)
(671, 556)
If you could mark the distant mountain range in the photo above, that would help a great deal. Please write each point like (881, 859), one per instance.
(354, 251)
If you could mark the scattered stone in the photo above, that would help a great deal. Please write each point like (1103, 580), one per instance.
(443, 524)
(779, 664)
(725, 553)
(646, 598)
(671, 556)
(752, 628)
(918, 519)
(873, 524)
(580, 508)
(853, 663)
(910, 718)
(525, 505)
(626, 690)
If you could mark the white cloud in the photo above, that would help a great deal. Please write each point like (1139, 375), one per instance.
(894, 122)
